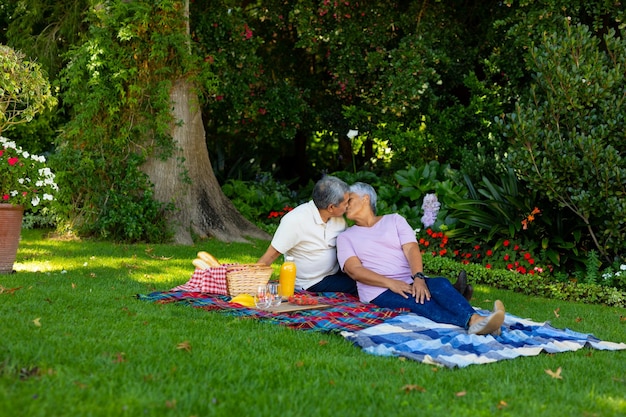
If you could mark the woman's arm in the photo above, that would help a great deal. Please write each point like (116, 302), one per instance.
(355, 269)
(414, 257)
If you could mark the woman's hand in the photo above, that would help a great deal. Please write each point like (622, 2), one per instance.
(399, 287)
(420, 291)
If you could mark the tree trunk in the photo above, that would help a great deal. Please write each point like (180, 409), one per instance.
(201, 206)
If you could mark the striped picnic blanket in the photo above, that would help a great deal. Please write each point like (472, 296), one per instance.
(346, 314)
(423, 340)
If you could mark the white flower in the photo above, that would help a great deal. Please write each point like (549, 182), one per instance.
(352, 133)
(622, 267)
(35, 201)
(48, 197)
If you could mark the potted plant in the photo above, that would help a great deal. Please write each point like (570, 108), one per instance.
(25, 180)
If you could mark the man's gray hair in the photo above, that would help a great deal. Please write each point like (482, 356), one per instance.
(329, 190)
(361, 189)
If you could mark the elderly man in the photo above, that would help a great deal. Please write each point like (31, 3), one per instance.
(309, 234)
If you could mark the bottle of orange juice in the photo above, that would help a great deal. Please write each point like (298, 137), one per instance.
(287, 277)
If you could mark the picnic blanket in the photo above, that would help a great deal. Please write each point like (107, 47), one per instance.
(346, 314)
(418, 338)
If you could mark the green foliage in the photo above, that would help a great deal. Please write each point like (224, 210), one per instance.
(532, 285)
(263, 201)
(414, 183)
(117, 88)
(567, 133)
(102, 206)
(24, 89)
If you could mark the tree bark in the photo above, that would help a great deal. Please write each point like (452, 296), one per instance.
(202, 209)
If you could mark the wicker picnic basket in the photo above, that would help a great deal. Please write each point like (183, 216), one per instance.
(245, 278)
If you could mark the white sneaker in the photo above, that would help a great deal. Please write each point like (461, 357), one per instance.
(489, 324)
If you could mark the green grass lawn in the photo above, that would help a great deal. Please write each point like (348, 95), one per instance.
(74, 341)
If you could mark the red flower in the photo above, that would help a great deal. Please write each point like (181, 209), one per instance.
(506, 257)
(5, 197)
(477, 247)
(506, 243)
(527, 256)
(509, 266)
(488, 266)
(489, 252)
(13, 161)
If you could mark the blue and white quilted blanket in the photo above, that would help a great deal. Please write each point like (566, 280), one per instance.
(423, 340)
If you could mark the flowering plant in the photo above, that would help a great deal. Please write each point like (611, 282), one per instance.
(25, 180)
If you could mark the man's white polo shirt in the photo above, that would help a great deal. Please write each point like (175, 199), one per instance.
(313, 243)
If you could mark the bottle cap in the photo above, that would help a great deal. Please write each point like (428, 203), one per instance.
(288, 258)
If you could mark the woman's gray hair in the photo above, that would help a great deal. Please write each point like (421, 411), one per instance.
(329, 190)
(361, 189)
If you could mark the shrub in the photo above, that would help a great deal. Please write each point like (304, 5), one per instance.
(526, 284)
(567, 134)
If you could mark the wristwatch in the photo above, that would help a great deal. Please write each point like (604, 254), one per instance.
(419, 275)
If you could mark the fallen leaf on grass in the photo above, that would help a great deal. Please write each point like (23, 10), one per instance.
(579, 319)
(555, 374)
(556, 312)
(461, 394)
(622, 318)
(119, 357)
(502, 404)
(170, 403)
(186, 346)
(10, 291)
(410, 387)
(149, 253)
(323, 342)
(37, 322)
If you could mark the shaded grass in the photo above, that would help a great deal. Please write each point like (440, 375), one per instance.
(75, 342)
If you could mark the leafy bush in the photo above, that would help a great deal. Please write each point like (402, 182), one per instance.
(527, 284)
(263, 201)
(567, 133)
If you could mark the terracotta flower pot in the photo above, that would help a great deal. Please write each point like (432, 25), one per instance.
(10, 229)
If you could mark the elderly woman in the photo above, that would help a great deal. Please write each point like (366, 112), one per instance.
(381, 253)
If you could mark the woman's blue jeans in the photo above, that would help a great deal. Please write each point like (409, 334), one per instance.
(446, 304)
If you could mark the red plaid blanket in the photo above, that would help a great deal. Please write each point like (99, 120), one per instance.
(346, 313)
